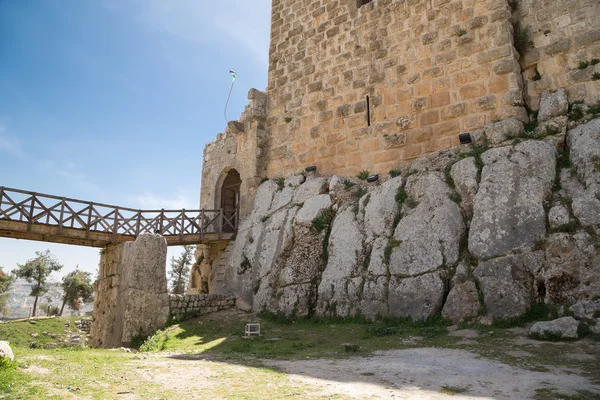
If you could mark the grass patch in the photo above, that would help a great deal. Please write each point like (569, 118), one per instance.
(323, 220)
(18, 333)
(348, 184)
(363, 175)
(395, 172)
(539, 312)
(553, 394)
(452, 390)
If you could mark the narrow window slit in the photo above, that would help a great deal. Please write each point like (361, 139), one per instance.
(368, 112)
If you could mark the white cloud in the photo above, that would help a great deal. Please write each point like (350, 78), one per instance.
(233, 22)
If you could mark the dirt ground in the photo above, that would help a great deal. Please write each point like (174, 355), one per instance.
(418, 373)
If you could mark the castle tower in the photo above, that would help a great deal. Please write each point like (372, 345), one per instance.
(368, 84)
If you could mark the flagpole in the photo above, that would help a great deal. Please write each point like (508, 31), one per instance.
(233, 76)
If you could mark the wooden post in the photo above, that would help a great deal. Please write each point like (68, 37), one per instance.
(221, 215)
(139, 221)
(182, 225)
(60, 219)
(162, 218)
(89, 220)
(115, 225)
(31, 209)
(1, 196)
(201, 225)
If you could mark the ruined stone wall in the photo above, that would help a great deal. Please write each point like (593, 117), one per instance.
(562, 33)
(197, 304)
(131, 295)
(240, 148)
(431, 69)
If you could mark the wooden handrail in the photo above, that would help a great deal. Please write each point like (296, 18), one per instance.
(63, 212)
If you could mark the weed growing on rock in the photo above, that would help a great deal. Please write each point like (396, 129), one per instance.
(363, 175)
(596, 76)
(562, 162)
(263, 180)
(288, 120)
(583, 64)
(348, 184)
(323, 220)
(595, 61)
(394, 173)
(576, 112)
(537, 76)
(461, 32)
(280, 183)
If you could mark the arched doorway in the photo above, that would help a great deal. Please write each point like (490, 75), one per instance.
(230, 199)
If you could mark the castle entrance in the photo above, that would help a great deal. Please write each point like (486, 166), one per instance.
(230, 197)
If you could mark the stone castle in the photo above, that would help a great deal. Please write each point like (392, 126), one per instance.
(389, 85)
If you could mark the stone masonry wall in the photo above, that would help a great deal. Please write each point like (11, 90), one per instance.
(431, 69)
(240, 148)
(131, 295)
(197, 304)
(563, 33)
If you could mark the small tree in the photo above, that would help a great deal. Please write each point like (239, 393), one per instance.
(6, 282)
(180, 269)
(77, 287)
(36, 271)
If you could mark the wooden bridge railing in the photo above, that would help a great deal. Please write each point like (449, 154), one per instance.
(34, 208)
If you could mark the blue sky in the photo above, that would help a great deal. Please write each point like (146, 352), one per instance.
(113, 100)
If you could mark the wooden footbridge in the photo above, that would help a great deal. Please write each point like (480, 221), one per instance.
(41, 217)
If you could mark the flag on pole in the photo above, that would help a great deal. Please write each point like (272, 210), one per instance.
(233, 75)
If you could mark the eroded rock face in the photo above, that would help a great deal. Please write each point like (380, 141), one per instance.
(509, 206)
(507, 286)
(553, 104)
(484, 249)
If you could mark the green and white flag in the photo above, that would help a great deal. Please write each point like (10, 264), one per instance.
(233, 76)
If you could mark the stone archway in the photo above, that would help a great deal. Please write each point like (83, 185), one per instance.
(228, 196)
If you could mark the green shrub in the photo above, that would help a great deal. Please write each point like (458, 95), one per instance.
(280, 183)
(394, 173)
(323, 220)
(522, 38)
(363, 175)
(583, 64)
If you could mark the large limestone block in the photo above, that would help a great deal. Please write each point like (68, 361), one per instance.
(553, 104)
(507, 286)
(498, 132)
(6, 351)
(462, 303)
(131, 293)
(418, 298)
(263, 199)
(312, 208)
(345, 247)
(374, 297)
(508, 210)
(428, 238)
(464, 174)
(381, 209)
(564, 328)
(313, 186)
(585, 309)
(572, 267)
(584, 145)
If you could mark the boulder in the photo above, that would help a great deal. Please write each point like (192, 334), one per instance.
(419, 298)
(585, 309)
(507, 286)
(462, 303)
(464, 174)
(380, 209)
(312, 208)
(553, 104)
(564, 328)
(6, 351)
(428, 237)
(312, 187)
(508, 211)
(498, 132)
